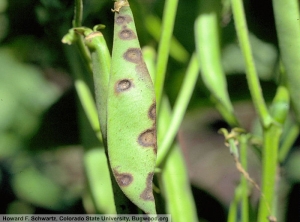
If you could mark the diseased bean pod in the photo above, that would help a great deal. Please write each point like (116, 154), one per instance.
(131, 114)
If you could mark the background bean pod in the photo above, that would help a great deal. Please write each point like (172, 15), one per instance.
(287, 25)
(100, 55)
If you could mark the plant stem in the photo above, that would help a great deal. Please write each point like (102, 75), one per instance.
(271, 130)
(177, 51)
(164, 48)
(244, 183)
(175, 181)
(233, 208)
(179, 110)
(269, 171)
(288, 142)
(252, 77)
(78, 11)
(88, 104)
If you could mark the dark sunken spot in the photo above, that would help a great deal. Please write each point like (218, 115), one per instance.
(123, 85)
(133, 55)
(123, 179)
(152, 112)
(121, 19)
(147, 194)
(127, 34)
(147, 138)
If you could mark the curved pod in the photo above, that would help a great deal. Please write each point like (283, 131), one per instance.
(131, 114)
(288, 30)
(207, 36)
(95, 41)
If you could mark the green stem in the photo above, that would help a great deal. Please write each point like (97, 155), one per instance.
(180, 107)
(269, 171)
(252, 77)
(244, 183)
(83, 91)
(84, 53)
(177, 51)
(174, 176)
(164, 47)
(175, 181)
(88, 104)
(78, 11)
(287, 143)
(149, 55)
(233, 208)
(233, 148)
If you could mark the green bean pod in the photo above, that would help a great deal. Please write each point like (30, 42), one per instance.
(131, 114)
(175, 184)
(100, 55)
(97, 172)
(288, 30)
(207, 36)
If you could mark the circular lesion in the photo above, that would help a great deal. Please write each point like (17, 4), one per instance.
(147, 138)
(120, 19)
(133, 55)
(152, 111)
(123, 85)
(123, 179)
(123, 19)
(127, 34)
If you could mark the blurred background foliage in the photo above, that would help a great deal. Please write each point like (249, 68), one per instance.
(41, 157)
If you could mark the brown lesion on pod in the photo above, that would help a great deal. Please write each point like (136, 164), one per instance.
(123, 179)
(127, 34)
(155, 149)
(147, 138)
(142, 70)
(123, 85)
(147, 194)
(133, 55)
(123, 19)
(152, 111)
